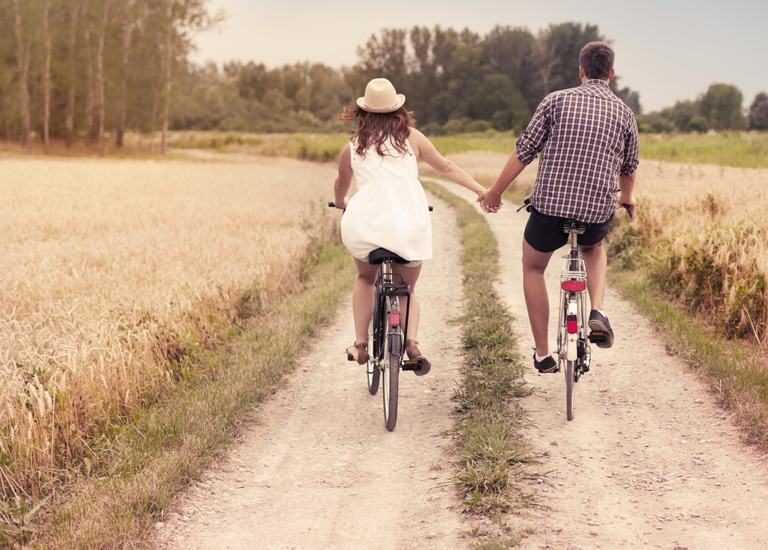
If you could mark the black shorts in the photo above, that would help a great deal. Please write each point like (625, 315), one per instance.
(545, 235)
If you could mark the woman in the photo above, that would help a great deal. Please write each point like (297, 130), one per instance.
(390, 208)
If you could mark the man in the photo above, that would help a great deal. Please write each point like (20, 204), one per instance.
(587, 138)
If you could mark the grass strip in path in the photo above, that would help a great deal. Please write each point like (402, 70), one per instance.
(735, 370)
(156, 455)
(493, 452)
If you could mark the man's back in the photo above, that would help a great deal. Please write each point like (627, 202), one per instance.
(587, 138)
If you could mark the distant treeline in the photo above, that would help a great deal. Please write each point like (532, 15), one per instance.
(719, 108)
(94, 69)
(86, 68)
(454, 80)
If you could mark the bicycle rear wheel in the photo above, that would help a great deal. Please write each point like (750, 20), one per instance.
(391, 377)
(378, 328)
(570, 382)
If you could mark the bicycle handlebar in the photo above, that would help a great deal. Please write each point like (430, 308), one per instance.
(630, 208)
(332, 204)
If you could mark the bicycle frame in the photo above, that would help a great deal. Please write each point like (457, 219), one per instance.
(390, 287)
(573, 307)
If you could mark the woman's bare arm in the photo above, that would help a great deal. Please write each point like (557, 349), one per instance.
(427, 152)
(344, 179)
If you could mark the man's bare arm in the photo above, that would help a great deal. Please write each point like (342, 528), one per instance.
(492, 199)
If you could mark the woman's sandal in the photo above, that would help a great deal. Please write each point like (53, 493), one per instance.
(358, 352)
(414, 354)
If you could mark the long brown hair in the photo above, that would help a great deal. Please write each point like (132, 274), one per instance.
(378, 128)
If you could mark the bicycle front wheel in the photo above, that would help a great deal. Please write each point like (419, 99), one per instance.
(391, 377)
(570, 382)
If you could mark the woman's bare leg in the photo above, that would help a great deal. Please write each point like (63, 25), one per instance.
(410, 276)
(362, 298)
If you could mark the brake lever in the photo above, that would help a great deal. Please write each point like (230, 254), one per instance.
(526, 204)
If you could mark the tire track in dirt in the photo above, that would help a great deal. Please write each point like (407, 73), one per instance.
(317, 469)
(650, 461)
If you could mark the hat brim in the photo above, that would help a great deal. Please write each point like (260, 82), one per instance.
(400, 102)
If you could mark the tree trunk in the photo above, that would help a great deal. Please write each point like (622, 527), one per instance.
(89, 93)
(47, 79)
(71, 92)
(22, 56)
(100, 97)
(123, 107)
(168, 76)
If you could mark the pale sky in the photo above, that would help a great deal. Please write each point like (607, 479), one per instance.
(667, 50)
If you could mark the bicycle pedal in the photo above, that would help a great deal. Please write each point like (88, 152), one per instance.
(410, 365)
(597, 336)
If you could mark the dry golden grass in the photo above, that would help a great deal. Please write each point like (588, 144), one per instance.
(706, 227)
(110, 270)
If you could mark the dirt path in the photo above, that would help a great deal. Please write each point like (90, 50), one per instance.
(318, 470)
(649, 461)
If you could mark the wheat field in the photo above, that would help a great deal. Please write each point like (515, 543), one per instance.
(110, 269)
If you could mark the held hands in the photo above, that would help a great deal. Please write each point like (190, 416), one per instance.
(490, 202)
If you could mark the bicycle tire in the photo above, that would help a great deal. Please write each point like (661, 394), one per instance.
(391, 377)
(372, 370)
(373, 375)
(570, 382)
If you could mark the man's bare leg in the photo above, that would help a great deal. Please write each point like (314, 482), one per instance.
(536, 297)
(596, 262)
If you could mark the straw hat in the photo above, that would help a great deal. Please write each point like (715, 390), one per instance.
(380, 97)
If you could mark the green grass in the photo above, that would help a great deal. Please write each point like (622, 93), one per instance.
(325, 147)
(741, 149)
(735, 370)
(493, 452)
(138, 468)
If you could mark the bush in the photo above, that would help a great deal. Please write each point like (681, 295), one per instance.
(455, 126)
(478, 126)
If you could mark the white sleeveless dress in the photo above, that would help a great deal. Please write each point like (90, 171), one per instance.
(390, 208)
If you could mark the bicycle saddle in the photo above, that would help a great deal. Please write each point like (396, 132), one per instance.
(573, 226)
(380, 255)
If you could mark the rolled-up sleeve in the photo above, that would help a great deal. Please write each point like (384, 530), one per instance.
(530, 143)
(631, 149)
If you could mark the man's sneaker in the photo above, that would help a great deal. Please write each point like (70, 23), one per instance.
(548, 364)
(601, 332)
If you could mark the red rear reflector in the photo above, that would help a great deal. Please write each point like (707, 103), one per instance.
(573, 325)
(394, 318)
(574, 286)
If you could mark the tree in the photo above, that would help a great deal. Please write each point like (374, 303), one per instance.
(498, 101)
(72, 53)
(23, 54)
(721, 105)
(100, 94)
(758, 112)
(47, 77)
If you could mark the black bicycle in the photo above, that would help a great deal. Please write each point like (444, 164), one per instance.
(388, 330)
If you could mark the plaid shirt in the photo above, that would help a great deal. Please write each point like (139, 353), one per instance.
(587, 137)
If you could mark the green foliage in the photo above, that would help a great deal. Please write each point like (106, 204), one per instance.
(758, 112)
(721, 105)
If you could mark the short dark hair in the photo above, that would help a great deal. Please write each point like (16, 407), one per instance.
(596, 58)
